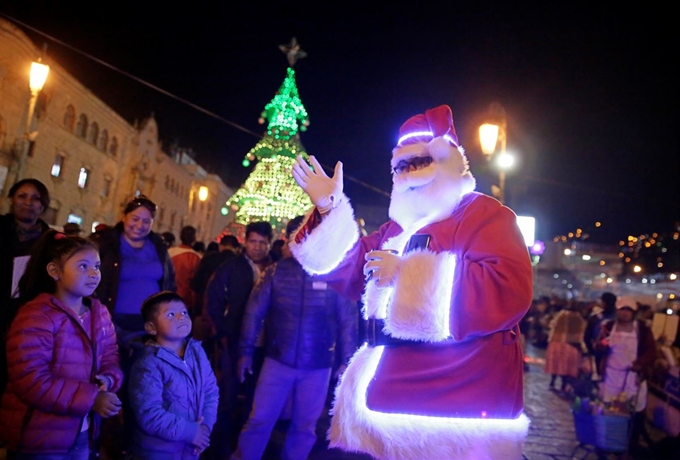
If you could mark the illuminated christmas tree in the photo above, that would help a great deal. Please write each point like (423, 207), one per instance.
(270, 193)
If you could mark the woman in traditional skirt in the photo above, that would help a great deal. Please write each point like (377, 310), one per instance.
(563, 356)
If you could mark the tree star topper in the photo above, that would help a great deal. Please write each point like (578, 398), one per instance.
(292, 51)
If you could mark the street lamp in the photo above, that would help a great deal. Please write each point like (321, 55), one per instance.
(38, 76)
(203, 193)
(492, 137)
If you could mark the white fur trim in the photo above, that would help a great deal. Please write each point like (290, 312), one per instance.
(375, 299)
(325, 246)
(421, 304)
(356, 428)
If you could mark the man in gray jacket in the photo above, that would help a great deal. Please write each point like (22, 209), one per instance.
(303, 319)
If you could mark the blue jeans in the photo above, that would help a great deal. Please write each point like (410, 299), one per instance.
(79, 451)
(277, 381)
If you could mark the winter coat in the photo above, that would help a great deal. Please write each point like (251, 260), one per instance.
(52, 369)
(168, 395)
(206, 268)
(10, 248)
(227, 294)
(304, 319)
(108, 241)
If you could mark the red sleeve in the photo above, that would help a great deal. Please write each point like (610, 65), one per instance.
(310, 224)
(493, 279)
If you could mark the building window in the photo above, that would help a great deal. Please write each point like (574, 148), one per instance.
(81, 127)
(57, 165)
(103, 141)
(113, 147)
(94, 133)
(82, 177)
(106, 189)
(69, 117)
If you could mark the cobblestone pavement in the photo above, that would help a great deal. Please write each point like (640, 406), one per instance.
(551, 434)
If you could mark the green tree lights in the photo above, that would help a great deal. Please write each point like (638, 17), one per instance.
(270, 192)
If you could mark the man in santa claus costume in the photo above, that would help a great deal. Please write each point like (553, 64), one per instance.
(445, 283)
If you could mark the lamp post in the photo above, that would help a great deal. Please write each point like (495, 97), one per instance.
(492, 137)
(38, 76)
(203, 193)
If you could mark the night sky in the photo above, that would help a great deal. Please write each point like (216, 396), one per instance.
(590, 97)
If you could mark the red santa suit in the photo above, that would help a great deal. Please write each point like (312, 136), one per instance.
(442, 377)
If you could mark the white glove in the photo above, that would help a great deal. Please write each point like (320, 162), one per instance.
(382, 266)
(325, 192)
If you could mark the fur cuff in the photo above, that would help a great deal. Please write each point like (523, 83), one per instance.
(325, 246)
(392, 436)
(421, 305)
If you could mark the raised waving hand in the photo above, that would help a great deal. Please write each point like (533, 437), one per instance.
(325, 192)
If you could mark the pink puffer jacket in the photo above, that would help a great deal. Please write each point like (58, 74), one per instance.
(52, 365)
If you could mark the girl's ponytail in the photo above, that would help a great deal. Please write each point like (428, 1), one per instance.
(53, 246)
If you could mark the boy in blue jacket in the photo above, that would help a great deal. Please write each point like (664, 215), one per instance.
(173, 390)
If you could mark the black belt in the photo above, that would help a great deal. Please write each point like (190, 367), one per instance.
(376, 337)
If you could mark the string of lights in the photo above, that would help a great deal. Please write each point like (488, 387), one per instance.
(171, 95)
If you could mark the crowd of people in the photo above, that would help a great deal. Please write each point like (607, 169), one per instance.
(593, 339)
(124, 344)
(128, 345)
(603, 351)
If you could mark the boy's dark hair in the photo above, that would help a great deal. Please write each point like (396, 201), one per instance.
(198, 246)
(153, 302)
(187, 235)
(39, 186)
(53, 246)
(263, 228)
(212, 247)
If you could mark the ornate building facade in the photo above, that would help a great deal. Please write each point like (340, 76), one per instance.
(90, 158)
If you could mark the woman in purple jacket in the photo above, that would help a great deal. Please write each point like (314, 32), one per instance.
(62, 354)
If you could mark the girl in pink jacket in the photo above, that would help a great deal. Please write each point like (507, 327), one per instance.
(62, 354)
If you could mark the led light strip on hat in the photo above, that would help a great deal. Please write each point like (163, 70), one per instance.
(424, 134)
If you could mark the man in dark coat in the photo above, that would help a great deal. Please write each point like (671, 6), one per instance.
(225, 299)
(305, 320)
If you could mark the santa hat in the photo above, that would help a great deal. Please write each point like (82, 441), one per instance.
(425, 127)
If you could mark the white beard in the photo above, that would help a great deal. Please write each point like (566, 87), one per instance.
(434, 201)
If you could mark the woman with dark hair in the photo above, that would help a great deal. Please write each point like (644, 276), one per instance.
(20, 228)
(134, 264)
